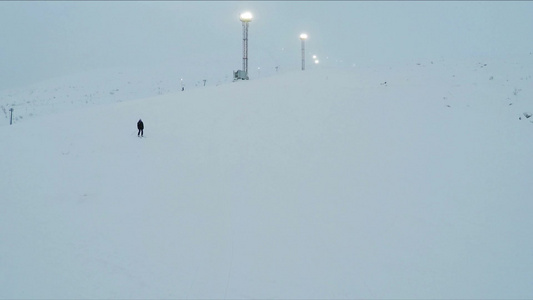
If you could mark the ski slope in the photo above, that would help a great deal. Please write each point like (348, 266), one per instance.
(397, 181)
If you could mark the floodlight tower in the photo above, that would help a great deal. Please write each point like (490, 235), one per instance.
(245, 18)
(303, 37)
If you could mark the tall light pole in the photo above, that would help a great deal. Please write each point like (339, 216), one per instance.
(245, 18)
(303, 37)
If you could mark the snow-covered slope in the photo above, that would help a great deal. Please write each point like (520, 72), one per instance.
(96, 87)
(408, 181)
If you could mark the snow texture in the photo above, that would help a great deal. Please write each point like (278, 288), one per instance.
(397, 181)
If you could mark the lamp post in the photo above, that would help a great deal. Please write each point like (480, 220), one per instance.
(303, 37)
(245, 18)
(11, 117)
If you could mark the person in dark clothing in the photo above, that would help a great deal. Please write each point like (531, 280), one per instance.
(140, 126)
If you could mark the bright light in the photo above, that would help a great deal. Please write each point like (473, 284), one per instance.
(314, 56)
(303, 36)
(246, 17)
(316, 61)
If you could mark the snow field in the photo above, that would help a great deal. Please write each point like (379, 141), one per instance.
(320, 184)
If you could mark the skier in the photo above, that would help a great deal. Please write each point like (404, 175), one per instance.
(140, 126)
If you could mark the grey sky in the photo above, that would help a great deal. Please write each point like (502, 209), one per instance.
(46, 39)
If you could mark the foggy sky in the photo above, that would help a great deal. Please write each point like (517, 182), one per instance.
(44, 39)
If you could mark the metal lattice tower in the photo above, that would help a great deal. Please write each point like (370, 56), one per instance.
(303, 37)
(246, 18)
(245, 47)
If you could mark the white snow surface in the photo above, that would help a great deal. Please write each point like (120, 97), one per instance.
(405, 181)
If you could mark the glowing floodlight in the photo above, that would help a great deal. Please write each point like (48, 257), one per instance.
(246, 17)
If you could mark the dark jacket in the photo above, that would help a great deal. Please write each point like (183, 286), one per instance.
(140, 125)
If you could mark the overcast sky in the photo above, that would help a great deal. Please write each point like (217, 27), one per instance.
(45, 39)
